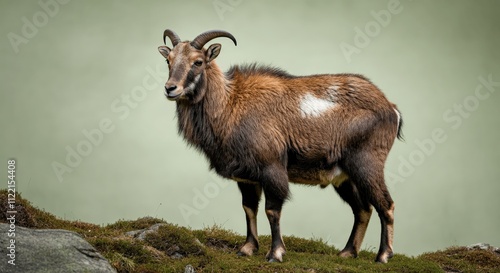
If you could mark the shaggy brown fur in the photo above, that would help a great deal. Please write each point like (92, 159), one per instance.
(263, 128)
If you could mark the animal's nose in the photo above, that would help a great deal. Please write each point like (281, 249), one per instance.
(170, 87)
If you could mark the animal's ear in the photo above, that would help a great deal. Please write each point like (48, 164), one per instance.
(213, 51)
(164, 50)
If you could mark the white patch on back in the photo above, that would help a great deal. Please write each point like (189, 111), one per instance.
(311, 106)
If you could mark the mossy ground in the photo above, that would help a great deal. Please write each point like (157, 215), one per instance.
(216, 253)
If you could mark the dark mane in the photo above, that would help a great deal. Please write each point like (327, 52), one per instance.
(258, 69)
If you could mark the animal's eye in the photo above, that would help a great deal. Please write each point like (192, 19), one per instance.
(198, 63)
(168, 62)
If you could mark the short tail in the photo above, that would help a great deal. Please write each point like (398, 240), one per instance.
(400, 125)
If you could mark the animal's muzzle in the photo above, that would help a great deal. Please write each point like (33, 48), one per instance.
(171, 91)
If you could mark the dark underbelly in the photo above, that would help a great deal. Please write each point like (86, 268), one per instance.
(317, 176)
(311, 176)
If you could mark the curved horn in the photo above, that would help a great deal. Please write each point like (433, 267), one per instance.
(173, 37)
(205, 37)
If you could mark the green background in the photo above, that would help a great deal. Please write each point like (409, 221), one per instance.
(90, 62)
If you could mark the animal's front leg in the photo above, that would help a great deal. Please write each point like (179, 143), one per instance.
(273, 212)
(275, 185)
(250, 198)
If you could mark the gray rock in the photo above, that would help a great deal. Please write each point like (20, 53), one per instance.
(173, 251)
(189, 269)
(49, 250)
(484, 246)
(479, 246)
(176, 255)
(141, 234)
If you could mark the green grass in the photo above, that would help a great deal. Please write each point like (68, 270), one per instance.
(213, 249)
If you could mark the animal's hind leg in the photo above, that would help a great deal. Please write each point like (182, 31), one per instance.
(362, 212)
(385, 210)
(251, 194)
(366, 169)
